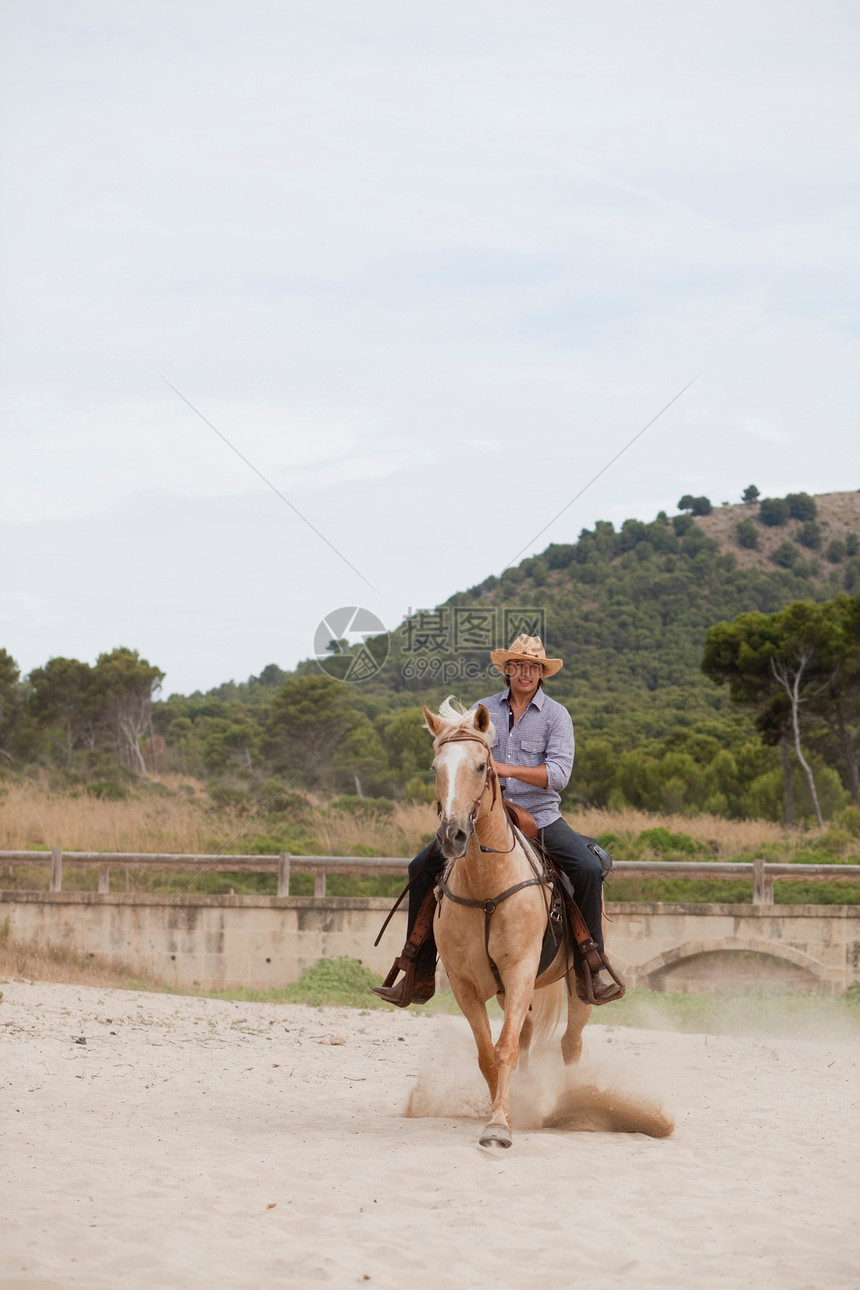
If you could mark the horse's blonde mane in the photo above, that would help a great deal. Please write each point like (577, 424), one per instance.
(455, 716)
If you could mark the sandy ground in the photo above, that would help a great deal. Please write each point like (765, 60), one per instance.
(196, 1143)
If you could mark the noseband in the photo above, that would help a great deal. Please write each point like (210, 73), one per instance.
(491, 778)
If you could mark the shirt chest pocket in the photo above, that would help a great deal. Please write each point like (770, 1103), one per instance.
(533, 752)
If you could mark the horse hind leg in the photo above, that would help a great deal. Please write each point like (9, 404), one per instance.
(526, 1035)
(571, 1041)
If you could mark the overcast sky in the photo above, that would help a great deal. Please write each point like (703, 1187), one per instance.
(428, 267)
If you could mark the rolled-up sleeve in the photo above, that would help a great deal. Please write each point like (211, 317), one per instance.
(559, 750)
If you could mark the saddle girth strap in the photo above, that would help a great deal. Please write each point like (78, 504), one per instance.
(489, 907)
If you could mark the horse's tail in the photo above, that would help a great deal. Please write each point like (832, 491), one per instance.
(547, 1010)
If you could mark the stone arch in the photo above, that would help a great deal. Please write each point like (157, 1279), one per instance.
(773, 949)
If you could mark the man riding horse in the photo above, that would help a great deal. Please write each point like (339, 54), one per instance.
(533, 755)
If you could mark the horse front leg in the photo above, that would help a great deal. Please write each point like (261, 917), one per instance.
(474, 1010)
(525, 1034)
(518, 995)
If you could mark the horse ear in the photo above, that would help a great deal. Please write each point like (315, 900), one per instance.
(432, 722)
(482, 719)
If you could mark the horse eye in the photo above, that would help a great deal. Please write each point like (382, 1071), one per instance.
(481, 766)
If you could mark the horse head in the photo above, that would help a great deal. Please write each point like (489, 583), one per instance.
(463, 769)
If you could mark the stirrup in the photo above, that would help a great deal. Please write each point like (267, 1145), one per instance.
(410, 989)
(590, 969)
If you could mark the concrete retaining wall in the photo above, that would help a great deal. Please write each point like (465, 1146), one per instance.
(266, 941)
(213, 941)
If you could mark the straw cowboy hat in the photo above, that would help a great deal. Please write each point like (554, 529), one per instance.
(526, 649)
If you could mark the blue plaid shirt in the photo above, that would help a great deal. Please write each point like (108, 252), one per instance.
(542, 736)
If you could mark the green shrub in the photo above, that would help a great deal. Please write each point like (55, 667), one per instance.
(347, 884)
(356, 805)
(849, 819)
(809, 535)
(666, 843)
(773, 511)
(696, 505)
(283, 837)
(801, 506)
(747, 534)
(836, 840)
(342, 981)
(225, 795)
(275, 797)
(825, 849)
(109, 790)
(786, 555)
(417, 789)
(816, 893)
(836, 551)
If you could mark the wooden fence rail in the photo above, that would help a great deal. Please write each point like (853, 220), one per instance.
(761, 874)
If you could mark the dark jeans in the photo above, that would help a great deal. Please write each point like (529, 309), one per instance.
(570, 852)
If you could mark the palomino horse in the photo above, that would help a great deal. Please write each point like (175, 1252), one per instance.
(493, 912)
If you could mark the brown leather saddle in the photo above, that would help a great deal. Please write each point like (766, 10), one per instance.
(522, 819)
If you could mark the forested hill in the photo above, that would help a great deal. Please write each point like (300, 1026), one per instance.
(628, 608)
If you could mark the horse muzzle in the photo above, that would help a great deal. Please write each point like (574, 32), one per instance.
(453, 838)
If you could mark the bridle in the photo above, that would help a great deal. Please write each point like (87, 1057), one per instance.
(491, 779)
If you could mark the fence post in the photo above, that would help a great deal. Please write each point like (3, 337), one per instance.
(56, 883)
(104, 880)
(319, 883)
(284, 873)
(759, 883)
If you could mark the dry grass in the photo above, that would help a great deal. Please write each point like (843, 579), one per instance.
(33, 817)
(185, 821)
(724, 838)
(403, 833)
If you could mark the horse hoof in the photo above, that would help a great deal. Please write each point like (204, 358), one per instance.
(496, 1135)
